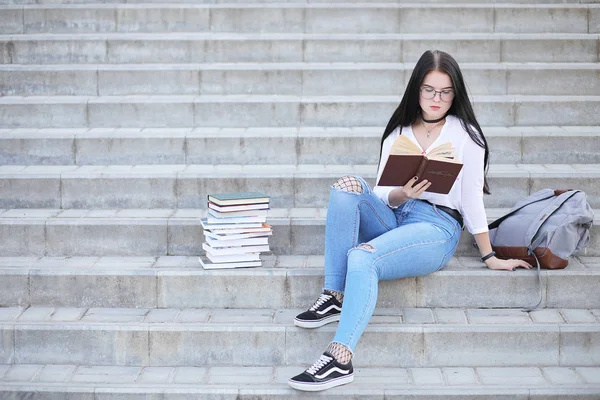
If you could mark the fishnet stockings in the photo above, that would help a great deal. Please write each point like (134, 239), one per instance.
(341, 353)
(349, 184)
(338, 295)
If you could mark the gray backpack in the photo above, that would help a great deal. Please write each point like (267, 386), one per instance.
(544, 229)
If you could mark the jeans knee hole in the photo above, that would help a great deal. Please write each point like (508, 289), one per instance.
(346, 191)
(366, 247)
(349, 184)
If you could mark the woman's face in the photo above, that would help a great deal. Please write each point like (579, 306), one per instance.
(436, 95)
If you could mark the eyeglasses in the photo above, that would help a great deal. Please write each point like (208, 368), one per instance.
(429, 93)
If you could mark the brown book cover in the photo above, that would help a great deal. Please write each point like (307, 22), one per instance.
(441, 171)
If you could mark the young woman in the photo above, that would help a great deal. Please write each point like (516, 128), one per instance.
(396, 232)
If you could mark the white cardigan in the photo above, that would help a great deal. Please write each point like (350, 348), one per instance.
(466, 195)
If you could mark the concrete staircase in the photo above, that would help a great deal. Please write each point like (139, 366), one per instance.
(116, 119)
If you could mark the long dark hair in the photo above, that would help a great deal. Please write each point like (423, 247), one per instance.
(409, 110)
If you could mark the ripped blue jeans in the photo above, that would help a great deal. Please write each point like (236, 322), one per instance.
(366, 241)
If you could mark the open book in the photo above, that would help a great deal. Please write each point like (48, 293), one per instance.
(440, 166)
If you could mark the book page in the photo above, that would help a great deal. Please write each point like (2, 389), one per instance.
(404, 145)
(444, 152)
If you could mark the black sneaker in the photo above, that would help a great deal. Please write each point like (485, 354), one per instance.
(325, 310)
(323, 374)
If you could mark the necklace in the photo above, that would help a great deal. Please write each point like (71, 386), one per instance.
(432, 121)
(433, 127)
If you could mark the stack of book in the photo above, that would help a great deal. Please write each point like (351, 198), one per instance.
(235, 230)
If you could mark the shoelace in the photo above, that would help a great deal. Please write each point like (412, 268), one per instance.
(320, 363)
(323, 298)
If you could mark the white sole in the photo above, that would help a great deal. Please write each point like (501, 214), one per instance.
(317, 387)
(316, 324)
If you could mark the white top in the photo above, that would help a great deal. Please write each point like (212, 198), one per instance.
(466, 195)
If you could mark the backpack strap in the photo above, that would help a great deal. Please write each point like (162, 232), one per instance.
(540, 283)
(534, 229)
(497, 222)
(543, 215)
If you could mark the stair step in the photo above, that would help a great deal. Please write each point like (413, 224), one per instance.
(303, 2)
(273, 111)
(282, 282)
(245, 383)
(495, 338)
(307, 79)
(300, 18)
(293, 47)
(288, 145)
(159, 232)
(185, 186)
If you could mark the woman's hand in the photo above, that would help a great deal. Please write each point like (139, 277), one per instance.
(508, 265)
(408, 191)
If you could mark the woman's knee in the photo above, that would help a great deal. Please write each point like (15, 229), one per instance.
(351, 184)
(361, 257)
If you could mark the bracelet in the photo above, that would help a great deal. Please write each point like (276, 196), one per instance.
(488, 256)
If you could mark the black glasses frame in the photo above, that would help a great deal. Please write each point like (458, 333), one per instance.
(428, 88)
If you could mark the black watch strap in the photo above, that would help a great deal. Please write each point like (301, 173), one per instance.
(488, 256)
